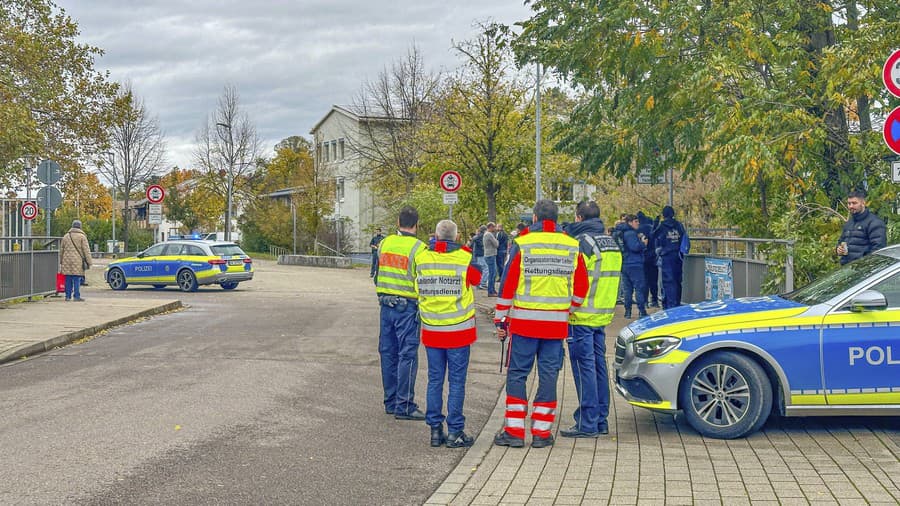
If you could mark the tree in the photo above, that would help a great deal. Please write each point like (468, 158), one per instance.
(228, 151)
(392, 109)
(84, 192)
(53, 104)
(189, 202)
(137, 150)
(482, 124)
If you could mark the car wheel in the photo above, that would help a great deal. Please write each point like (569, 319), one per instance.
(116, 279)
(726, 395)
(229, 285)
(159, 286)
(187, 281)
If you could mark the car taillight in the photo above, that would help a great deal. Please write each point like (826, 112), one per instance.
(216, 261)
(248, 260)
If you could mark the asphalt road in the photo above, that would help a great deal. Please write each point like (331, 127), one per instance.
(267, 394)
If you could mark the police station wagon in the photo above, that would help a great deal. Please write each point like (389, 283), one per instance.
(829, 348)
(183, 263)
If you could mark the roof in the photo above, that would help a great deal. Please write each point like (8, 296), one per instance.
(285, 192)
(356, 116)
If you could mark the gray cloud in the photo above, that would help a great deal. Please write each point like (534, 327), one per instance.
(290, 60)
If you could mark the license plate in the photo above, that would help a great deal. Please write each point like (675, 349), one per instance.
(236, 262)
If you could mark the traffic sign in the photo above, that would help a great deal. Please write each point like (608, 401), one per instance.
(155, 193)
(48, 172)
(450, 181)
(892, 130)
(154, 219)
(29, 210)
(895, 171)
(49, 198)
(451, 198)
(154, 208)
(890, 74)
(645, 176)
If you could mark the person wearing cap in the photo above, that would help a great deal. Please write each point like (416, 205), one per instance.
(667, 239)
(74, 259)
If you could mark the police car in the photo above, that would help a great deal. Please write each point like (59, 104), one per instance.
(185, 263)
(829, 348)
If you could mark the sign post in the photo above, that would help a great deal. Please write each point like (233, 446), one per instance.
(155, 195)
(450, 183)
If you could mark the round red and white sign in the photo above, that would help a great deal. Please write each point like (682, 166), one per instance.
(29, 210)
(891, 73)
(892, 130)
(155, 194)
(450, 181)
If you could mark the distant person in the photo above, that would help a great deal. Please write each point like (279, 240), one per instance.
(863, 233)
(478, 253)
(502, 248)
(633, 265)
(74, 260)
(668, 238)
(651, 270)
(445, 275)
(543, 281)
(490, 258)
(398, 338)
(376, 240)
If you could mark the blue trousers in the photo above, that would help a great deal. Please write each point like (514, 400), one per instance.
(523, 351)
(73, 286)
(491, 274)
(398, 344)
(634, 281)
(454, 362)
(671, 271)
(587, 352)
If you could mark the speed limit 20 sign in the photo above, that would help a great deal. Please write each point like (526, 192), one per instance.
(29, 210)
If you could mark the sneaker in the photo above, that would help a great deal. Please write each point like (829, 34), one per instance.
(575, 432)
(503, 438)
(542, 442)
(459, 440)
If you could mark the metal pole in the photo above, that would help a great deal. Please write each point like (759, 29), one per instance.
(114, 217)
(537, 136)
(230, 184)
(294, 224)
(671, 186)
(28, 171)
(451, 212)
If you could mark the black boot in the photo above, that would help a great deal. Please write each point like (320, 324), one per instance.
(459, 440)
(437, 436)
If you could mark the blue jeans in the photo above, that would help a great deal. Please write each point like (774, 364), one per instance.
(633, 281)
(524, 350)
(481, 263)
(73, 286)
(587, 351)
(454, 362)
(491, 274)
(398, 344)
(671, 271)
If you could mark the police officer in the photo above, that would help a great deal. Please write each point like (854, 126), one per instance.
(633, 277)
(544, 278)
(445, 275)
(667, 239)
(863, 233)
(398, 340)
(587, 338)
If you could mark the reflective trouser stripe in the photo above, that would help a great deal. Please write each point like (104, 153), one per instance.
(539, 315)
(515, 417)
(542, 418)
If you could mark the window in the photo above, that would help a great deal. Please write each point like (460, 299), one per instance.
(341, 148)
(890, 288)
(325, 145)
(339, 189)
(194, 251)
(334, 150)
(154, 250)
(173, 249)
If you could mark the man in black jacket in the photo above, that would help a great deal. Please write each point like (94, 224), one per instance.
(863, 233)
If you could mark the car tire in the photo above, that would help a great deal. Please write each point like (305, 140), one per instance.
(187, 281)
(115, 278)
(726, 395)
(229, 285)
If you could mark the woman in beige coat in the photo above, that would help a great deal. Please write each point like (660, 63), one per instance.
(74, 256)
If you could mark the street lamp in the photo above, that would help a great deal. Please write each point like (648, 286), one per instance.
(111, 157)
(229, 181)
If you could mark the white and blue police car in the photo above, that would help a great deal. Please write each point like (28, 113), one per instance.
(829, 348)
(185, 263)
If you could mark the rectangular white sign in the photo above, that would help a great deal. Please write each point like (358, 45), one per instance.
(451, 198)
(895, 171)
(155, 208)
(154, 219)
(645, 176)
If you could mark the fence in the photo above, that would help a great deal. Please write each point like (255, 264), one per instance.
(750, 266)
(30, 272)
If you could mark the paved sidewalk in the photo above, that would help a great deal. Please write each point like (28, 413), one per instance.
(651, 458)
(27, 328)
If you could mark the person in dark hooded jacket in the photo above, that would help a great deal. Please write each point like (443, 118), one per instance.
(633, 265)
(651, 270)
(667, 241)
(863, 233)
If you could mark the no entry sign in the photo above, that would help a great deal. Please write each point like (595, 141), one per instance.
(892, 130)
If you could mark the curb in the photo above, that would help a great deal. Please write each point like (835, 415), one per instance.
(69, 337)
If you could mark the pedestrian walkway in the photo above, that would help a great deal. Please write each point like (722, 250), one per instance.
(651, 458)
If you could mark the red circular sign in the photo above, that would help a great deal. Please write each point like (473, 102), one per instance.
(892, 130)
(155, 194)
(891, 73)
(450, 181)
(29, 210)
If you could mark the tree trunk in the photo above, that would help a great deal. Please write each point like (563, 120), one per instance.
(125, 220)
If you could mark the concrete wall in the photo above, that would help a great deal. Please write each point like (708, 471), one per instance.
(316, 261)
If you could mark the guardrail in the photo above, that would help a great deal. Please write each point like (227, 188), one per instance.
(25, 271)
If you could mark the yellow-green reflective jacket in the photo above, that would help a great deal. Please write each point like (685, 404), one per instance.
(446, 302)
(548, 264)
(604, 265)
(397, 266)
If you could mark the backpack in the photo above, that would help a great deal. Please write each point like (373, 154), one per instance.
(685, 246)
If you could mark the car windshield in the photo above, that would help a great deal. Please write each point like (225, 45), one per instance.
(839, 280)
(226, 249)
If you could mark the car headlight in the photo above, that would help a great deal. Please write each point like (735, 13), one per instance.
(655, 346)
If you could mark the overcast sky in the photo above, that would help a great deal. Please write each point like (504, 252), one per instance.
(290, 60)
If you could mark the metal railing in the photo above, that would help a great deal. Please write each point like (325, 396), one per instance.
(277, 251)
(26, 271)
(319, 244)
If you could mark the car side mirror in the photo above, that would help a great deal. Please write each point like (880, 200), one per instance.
(868, 300)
